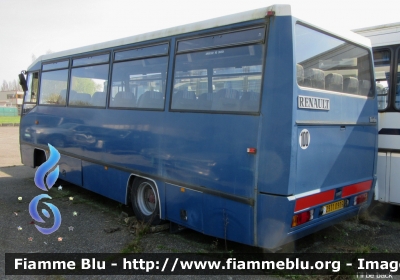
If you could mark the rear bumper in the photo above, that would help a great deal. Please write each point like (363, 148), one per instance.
(275, 213)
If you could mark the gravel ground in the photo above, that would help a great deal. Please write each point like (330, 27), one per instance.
(99, 225)
(9, 148)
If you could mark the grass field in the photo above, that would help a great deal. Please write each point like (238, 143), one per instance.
(9, 119)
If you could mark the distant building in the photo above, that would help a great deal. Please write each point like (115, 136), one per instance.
(11, 98)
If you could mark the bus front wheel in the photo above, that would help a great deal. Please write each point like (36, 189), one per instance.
(145, 201)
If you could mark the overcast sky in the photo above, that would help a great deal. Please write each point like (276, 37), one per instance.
(32, 27)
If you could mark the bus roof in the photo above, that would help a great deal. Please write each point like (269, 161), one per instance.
(381, 35)
(279, 10)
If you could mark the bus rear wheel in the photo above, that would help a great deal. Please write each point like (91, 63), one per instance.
(145, 201)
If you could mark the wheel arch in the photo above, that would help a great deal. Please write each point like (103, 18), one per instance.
(131, 180)
(39, 157)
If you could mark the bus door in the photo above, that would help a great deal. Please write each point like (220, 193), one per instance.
(389, 123)
(32, 83)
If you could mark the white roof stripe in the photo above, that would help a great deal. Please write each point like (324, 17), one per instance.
(343, 33)
(280, 10)
(382, 35)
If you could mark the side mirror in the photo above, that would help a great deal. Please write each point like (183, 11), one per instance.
(22, 81)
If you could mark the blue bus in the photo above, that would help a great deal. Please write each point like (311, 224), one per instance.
(257, 127)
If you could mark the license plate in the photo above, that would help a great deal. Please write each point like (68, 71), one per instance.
(332, 207)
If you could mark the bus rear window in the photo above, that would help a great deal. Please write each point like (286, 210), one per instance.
(327, 63)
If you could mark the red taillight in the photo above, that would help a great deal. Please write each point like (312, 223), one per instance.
(302, 218)
(361, 198)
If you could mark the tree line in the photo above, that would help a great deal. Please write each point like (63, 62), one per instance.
(14, 85)
(10, 85)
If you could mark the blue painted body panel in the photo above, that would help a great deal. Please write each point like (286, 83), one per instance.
(185, 147)
(71, 169)
(184, 207)
(199, 154)
(224, 218)
(229, 193)
(276, 134)
(110, 182)
(346, 160)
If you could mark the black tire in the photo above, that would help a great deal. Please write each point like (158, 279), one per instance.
(145, 203)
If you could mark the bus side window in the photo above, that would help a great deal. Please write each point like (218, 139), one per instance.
(139, 83)
(223, 80)
(382, 78)
(397, 104)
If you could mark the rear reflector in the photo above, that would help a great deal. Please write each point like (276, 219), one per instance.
(356, 188)
(313, 200)
(325, 197)
(302, 218)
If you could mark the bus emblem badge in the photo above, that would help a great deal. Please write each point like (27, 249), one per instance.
(315, 103)
(304, 139)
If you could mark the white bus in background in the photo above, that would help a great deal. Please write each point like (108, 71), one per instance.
(385, 40)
